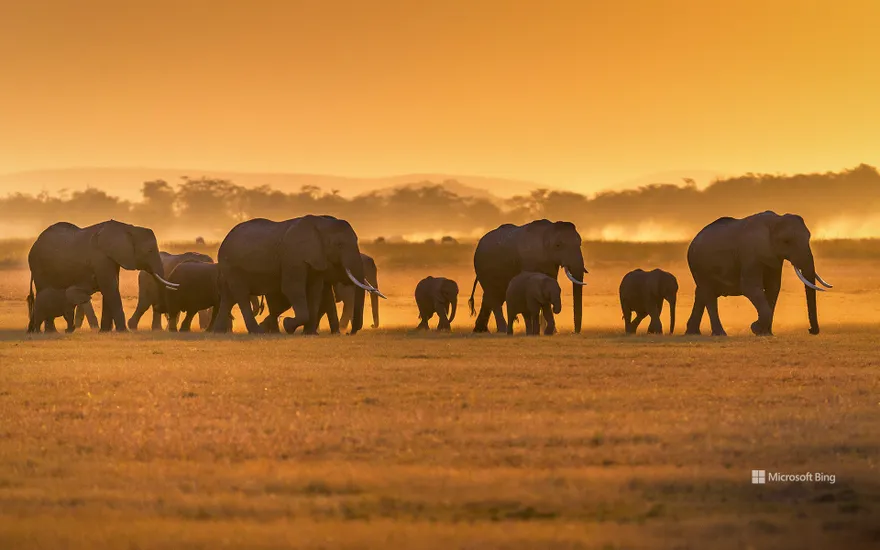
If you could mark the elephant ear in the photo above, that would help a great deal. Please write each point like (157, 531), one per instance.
(116, 243)
(76, 295)
(303, 243)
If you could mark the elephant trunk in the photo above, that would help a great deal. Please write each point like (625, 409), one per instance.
(155, 268)
(454, 308)
(355, 266)
(671, 301)
(577, 291)
(808, 269)
(374, 306)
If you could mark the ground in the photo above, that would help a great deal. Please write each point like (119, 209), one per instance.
(397, 439)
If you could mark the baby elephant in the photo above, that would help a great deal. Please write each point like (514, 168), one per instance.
(643, 292)
(198, 290)
(532, 294)
(54, 302)
(437, 295)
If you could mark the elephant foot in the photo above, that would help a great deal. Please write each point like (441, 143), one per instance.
(759, 330)
(719, 333)
(481, 329)
(374, 326)
(132, 325)
(692, 332)
(814, 330)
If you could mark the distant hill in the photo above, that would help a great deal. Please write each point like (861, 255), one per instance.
(126, 182)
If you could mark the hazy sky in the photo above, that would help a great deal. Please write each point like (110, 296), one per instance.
(580, 93)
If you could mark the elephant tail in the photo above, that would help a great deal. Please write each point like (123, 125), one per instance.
(471, 299)
(30, 305)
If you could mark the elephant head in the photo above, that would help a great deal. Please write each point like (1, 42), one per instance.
(557, 244)
(666, 288)
(447, 293)
(790, 240)
(133, 248)
(551, 294)
(330, 245)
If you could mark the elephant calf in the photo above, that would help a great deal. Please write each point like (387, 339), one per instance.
(51, 303)
(198, 290)
(532, 294)
(643, 292)
(437, 295)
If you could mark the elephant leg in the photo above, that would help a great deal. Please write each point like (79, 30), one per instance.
(239, 294)
(425, 317)
(50, 325)
(696, 318)
(186, 325)
(634, 326)
(482, 322)
(549, 320)
(656, 325)
(753, 289)
(89, 311)
(173, 317)
(627, 321)
(157, 319)
(329, 307)
(223, 312)
(536, 323)
(347, 294)
(315, 293)
(511, 317)
(772, 283)
(714, 319)
(444, 324)
(500, 324)
(139, 311)
(277, 305)
(294, 289)
(206, 316)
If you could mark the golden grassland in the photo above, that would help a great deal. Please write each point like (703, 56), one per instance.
(397, 439)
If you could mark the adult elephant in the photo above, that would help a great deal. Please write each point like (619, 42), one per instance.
(65, 255)
(294, 263)
(541, 246)
(345, 294)
(744, 257)
(149, 291)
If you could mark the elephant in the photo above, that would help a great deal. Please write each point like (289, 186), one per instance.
(50, 303)
(540, 246)
(148, 290)
(294, 263)
(345, 294)
(643, 292)
(533, 294)
(65, 255)
(437, 295)
(199, 290)
(744, 257)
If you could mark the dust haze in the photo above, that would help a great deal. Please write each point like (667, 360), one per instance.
(836, 205)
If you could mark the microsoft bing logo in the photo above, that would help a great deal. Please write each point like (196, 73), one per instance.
(759, 477)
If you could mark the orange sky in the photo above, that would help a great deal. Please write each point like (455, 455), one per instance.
(576, 94)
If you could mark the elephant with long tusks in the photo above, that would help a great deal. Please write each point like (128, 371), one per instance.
(744, 257)
(541, 246)
(89, 258)
(293, 263)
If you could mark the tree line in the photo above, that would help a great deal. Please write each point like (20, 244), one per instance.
(210, 207)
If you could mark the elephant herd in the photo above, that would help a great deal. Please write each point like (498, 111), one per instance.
(309, 264)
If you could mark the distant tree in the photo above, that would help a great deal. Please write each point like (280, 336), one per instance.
(448, 240)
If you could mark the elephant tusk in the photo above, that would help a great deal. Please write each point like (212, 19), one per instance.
(168, 284)
(823, 282)
(572, 279)
(366, 287)
(804, 280)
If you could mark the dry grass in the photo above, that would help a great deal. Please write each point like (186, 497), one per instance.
(404, 440)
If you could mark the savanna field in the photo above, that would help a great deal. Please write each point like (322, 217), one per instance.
(398, 439)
